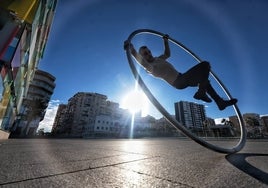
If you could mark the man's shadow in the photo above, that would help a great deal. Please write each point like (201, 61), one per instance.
(239, 161)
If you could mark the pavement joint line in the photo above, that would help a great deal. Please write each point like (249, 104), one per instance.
(43, 177)
(71, 172)
(117, 165)
(70, 161)
(125, 162)
(157, 177)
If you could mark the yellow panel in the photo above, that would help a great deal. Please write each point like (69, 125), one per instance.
(31, 15)
(24, 8)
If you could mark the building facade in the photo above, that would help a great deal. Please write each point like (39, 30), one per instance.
(33, 107)
(24, 30)
(87, 113)
(105, 125)
(90, 114)
(191, 115)
(58, 124)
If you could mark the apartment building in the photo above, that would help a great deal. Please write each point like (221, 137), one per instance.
(59, 119)
(88, 113)
(191, 115)
(33, 107)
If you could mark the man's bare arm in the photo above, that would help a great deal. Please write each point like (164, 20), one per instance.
(167, 49)
(139, 58)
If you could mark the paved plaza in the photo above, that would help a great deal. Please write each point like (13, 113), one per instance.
(158, 162)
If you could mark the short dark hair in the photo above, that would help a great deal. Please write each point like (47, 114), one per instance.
(142, 48)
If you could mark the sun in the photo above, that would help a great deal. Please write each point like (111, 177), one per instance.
(135, 101)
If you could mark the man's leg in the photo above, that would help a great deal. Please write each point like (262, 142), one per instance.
(198, 76)
(201, 92)
(222, 104)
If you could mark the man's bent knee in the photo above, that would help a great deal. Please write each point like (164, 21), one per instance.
(179, 85)
(206, 65)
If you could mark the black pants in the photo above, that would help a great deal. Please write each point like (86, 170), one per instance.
(197, 76)
(193, 77)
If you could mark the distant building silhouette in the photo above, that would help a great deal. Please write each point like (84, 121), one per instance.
(88, 114)
(189, 114)
(58, 125)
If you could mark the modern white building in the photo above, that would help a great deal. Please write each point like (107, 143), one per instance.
(87, 113)
(106, 124)
(90, 114)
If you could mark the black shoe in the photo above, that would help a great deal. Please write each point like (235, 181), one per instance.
(202, 96)
(222, 104)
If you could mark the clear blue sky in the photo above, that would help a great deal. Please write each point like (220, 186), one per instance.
(85, 47)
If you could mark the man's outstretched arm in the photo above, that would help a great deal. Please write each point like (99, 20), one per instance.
(167, 49)
(138, 57)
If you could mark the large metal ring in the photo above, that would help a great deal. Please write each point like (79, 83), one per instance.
(166, 114)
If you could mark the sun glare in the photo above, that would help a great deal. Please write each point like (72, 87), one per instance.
(135, 101)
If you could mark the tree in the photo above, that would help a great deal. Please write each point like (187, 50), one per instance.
(41, 132)
(256, 129)
(251, 121)
(231, 125)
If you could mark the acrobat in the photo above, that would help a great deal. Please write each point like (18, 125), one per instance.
(197, 76)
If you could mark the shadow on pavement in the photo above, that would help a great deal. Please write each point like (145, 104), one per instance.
(239, 161)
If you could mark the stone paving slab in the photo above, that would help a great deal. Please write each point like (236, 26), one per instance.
(163, 162)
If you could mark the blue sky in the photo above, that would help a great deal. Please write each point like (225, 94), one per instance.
(85, 48)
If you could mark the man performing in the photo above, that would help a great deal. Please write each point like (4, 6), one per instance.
(196, 76)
